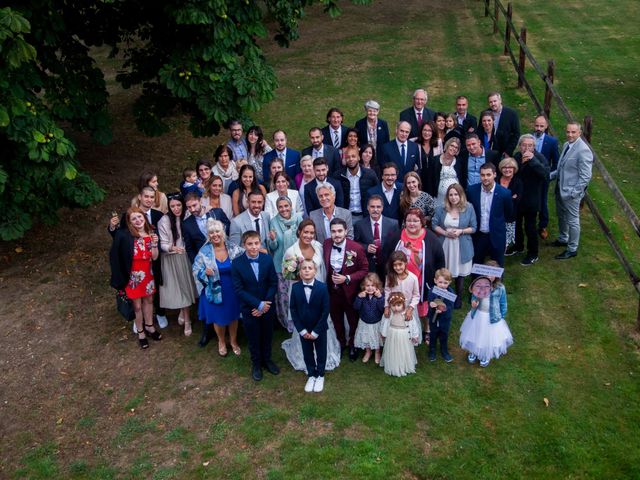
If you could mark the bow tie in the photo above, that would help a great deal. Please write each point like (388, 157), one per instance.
(253, 260)
(335, 247)
(308, 286)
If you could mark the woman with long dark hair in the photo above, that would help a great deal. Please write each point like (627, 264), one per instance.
(178, 290)
(257, 147)
(150, 179)
(247, 182)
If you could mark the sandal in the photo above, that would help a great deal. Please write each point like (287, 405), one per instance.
(156, 335)
(223, 351)
(143, 342)
(236, 350)
(180, 320)
(187, 329)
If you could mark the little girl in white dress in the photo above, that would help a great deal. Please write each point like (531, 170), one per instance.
(400, 338)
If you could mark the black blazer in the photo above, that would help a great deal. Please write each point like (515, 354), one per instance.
(508, 131)
(330, 154)
(409, 115)
(515, 188)
(120, 258)
(312, 315)
(533, 174)
(363, 234)
(463, 158)
(390, 210)
(368, 179)
(469, 124)
(431, 177)
(193, 237)
(311, 201)
(383, 133)
(328, 139)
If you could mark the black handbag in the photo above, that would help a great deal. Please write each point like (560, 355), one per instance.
(125, 305)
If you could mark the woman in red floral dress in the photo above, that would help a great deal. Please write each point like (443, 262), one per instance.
(133, 250)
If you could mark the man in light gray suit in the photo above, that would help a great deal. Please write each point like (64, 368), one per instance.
(323, 216)
(573, 175)
(253, 218)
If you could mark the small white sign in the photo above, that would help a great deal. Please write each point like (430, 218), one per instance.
(444, 293)
(480, 269)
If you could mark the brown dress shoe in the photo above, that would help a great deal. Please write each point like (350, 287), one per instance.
(543, 233)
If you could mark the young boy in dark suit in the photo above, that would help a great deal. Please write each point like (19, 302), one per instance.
(440, 310)
(309, 306)
(256, 283)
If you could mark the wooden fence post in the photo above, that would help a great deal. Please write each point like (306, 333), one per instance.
(507, 29)
(522, 59)
(496, 14)
(548, 96)
(486, 8)
(587, 127)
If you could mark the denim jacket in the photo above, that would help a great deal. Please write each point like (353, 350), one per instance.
(498, 305)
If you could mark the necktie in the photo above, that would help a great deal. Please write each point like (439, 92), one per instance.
(376, 231)
(336, 139)
(257, 220)
(566, 149)
(419, 115)
(281, 155)
(402, 154)
(339, 249)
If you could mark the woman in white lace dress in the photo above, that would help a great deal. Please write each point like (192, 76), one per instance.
(308, 248)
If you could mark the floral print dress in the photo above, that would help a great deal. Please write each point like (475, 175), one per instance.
(141, 283)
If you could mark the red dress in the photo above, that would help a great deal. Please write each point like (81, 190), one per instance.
(141, 283)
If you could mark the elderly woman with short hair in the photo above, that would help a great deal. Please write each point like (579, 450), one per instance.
(372, 129)
(283, 234)
(218, 305)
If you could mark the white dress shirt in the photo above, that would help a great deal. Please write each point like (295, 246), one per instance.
(486, 199)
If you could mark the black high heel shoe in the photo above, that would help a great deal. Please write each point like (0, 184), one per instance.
(156, 335)
(143, 342)
(206, 335)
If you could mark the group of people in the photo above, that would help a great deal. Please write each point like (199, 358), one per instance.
(353, 243)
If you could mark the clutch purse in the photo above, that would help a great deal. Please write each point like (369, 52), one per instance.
(125, 305)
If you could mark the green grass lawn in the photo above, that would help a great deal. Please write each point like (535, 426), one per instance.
(573, 322)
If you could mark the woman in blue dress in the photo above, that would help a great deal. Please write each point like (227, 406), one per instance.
(218, 306)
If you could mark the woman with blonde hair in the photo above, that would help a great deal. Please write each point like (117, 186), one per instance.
(218, 304)
(455, 221)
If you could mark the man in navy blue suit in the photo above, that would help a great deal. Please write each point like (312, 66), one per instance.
(547, 146)
(309, 305)
(290, 157)
(494, 208)
(194, 227)
(389, 189)
(319, 149)
(401, 151)
(418, 113)
(335, 133)
(255, 282)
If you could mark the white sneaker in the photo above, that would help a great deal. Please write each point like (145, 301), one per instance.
(319, 385)
(162, 321)
(135, 330)
(310, 384)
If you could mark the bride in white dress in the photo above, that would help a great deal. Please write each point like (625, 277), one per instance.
(303, 248)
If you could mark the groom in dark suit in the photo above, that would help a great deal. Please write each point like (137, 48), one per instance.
(494, 208)
(256, 283)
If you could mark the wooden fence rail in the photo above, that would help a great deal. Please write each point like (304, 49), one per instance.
(551, 95)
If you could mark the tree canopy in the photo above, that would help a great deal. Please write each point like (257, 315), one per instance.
(196, 57)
